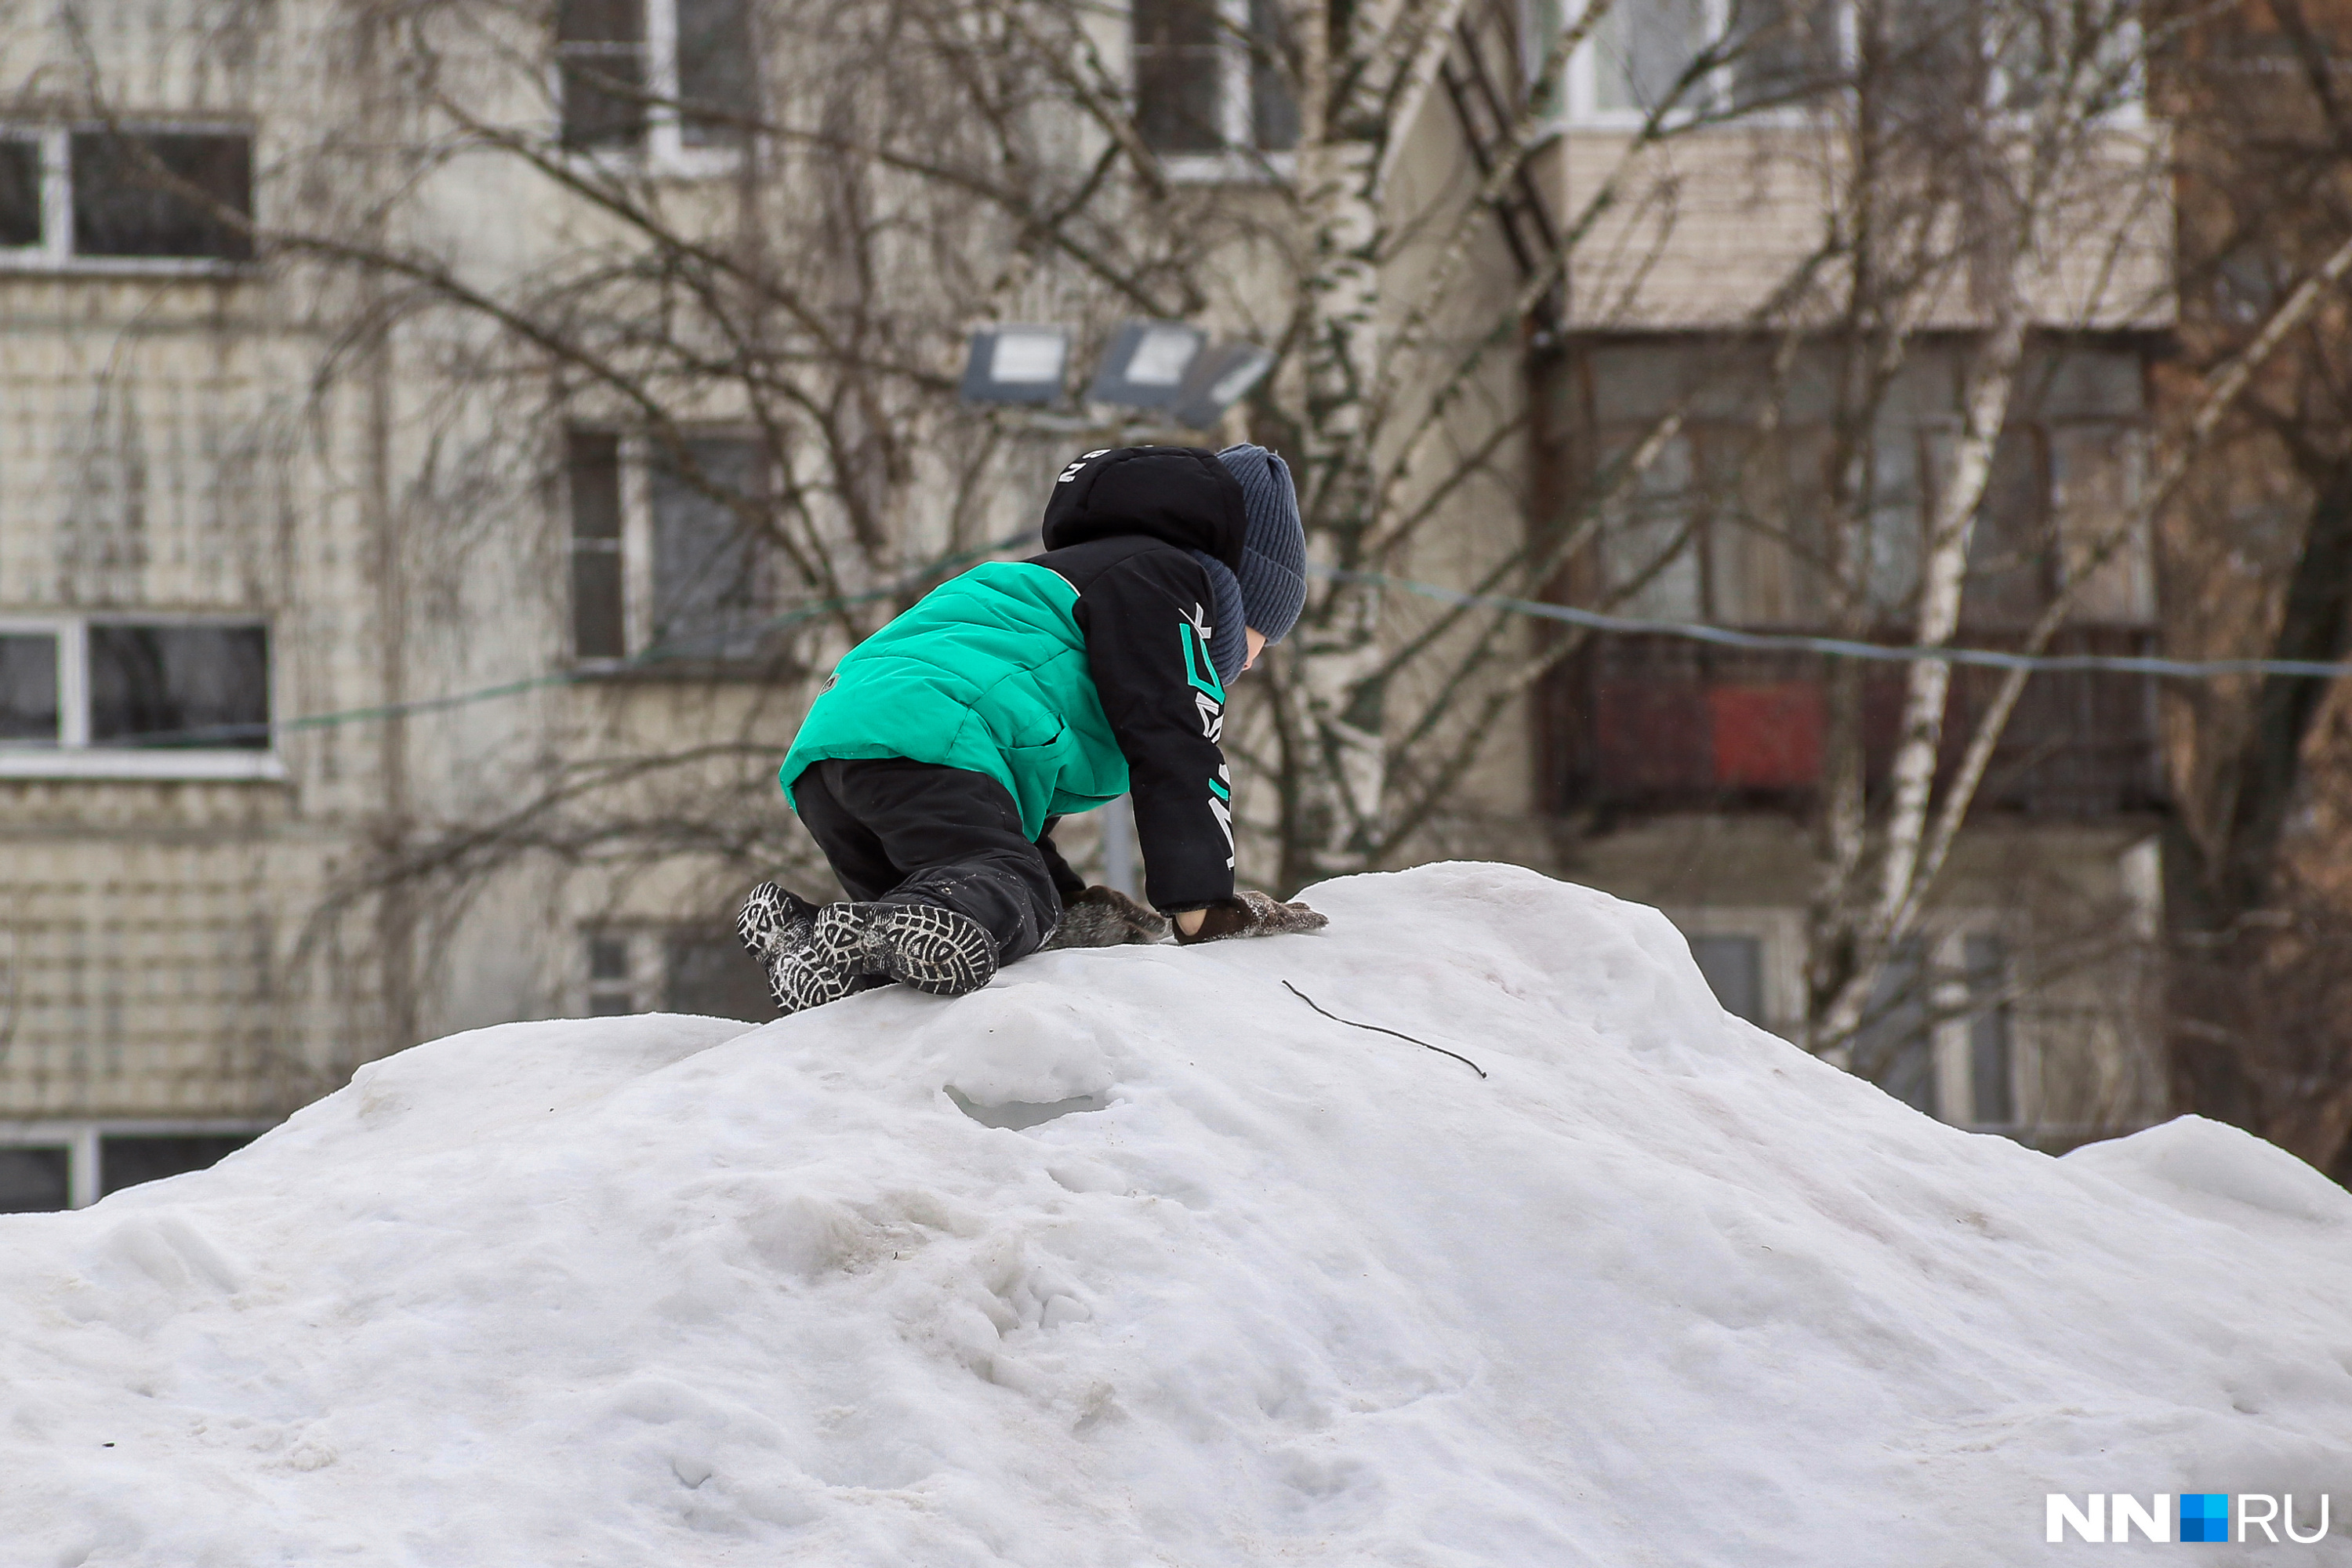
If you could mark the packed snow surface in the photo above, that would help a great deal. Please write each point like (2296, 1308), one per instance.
(1226, 1283)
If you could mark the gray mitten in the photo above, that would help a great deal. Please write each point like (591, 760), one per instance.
(1105, 917)
(1252, 914)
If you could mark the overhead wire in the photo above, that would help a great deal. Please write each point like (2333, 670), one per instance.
(1569, 614)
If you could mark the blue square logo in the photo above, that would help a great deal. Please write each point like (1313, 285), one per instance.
(2204, 1516)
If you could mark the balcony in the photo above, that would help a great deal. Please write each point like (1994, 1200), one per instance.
(1646, 724)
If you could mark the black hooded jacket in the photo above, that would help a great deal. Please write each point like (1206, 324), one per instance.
(1117, 529)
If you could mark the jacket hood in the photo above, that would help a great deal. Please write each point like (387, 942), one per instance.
(1181, 495)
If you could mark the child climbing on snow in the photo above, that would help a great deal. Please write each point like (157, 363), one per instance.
(933, 767)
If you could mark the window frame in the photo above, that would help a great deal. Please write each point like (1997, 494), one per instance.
(1240, 161)
(81, 1139)
(639, 549)
(662, 149)
(74, 755)
(1580, 109)
(650, 980)
(55, 253)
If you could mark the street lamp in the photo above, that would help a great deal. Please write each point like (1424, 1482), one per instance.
(1016, 364)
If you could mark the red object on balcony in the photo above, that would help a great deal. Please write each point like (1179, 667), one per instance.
(1767, 736)
(1642, 722)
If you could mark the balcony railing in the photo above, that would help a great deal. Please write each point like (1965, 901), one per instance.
(1640, 722)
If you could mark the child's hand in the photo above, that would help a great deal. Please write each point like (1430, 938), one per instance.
(1249, 914)
(1105, 917)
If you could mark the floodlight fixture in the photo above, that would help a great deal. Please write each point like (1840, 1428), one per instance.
(1146, 363)
(1016, 364)
(1220, 378)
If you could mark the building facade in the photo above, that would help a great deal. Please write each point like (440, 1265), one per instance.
(373, 665)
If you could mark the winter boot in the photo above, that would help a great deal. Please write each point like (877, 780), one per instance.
(805, 977)
(932, 949)
(773, 923)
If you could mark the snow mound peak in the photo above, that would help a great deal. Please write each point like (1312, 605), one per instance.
(1133, 1258)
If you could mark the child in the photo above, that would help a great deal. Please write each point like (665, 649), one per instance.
(933, 766)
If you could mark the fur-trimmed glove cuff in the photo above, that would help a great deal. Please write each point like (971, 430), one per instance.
(1105, 917)
(1252, 914)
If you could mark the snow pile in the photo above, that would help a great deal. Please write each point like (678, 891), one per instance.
(1248, 1287)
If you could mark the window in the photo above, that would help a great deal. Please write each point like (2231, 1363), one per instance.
(1643, 50)
(1759, 55)
(709, 973)
(128, 1159)
(1733, 967)
(88, 697)
(1937, 1035)
(598, 630)
(50, 1165)
(696, 969)
(612, 989)
(669, 560)
(1213, 79)
(139, 199)
(35, 1180)
(1896, 1047)
(666, 77)
(1992, 1095)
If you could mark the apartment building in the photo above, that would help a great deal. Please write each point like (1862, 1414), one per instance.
(324, 606)
(1694, 772)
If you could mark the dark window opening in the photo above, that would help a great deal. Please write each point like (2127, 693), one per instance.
(125, 1159)
(711, 975)
(716, 71)
(1783, 51)
(1186, 60)
(1993, 1098)
(600, 50)
(611, 992)
(1273, 108)
(20, 191)
(161, 194)
(1178, 73)
(708, 582)
(179, 685)
(1733, 967)
(594, 471)
(29, 688)
(35, 1181)
(1895, 1047)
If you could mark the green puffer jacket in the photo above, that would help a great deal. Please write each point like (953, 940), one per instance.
(1077, 676)
(987, 673)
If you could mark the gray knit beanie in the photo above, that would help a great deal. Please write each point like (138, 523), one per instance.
(1274, 548)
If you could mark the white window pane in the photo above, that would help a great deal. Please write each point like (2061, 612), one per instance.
(1643, 49)
(1650, 548)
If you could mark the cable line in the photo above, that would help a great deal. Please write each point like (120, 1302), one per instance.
(1839, 647)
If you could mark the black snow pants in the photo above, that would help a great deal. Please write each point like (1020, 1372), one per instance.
(898, 832)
